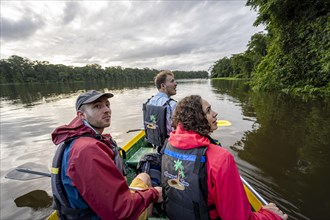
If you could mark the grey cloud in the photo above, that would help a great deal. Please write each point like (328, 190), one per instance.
(23, 28)
(70, 11)
(165, 34)
(150, 16)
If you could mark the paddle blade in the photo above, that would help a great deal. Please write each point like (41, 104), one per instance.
(16, 174)
(223, 123)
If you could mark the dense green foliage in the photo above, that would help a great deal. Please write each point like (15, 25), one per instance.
(242, 65)
(294, 53)
(17, 69)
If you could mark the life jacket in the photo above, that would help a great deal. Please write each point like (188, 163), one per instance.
(184, 183)
(154, 121)
(60, 199)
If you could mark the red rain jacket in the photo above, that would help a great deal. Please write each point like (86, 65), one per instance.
(225, 188)
(98, 180)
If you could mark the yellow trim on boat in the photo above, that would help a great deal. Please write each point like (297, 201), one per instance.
(131, 142)
(53, 216)
(254, 201)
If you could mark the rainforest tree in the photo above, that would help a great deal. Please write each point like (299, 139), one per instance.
(298, 45)
(293, 55)
(17, 69)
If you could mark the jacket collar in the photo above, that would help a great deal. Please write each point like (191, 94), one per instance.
(180, 138)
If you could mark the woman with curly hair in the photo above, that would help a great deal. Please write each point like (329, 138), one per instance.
(200, 179)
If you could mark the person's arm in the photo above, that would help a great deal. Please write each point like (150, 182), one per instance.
(230, 197)
(103, 187)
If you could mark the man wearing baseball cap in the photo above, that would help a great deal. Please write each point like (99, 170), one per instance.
(88, 175)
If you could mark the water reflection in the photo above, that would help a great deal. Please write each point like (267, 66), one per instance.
(36, 199)
(292, 146)
(290, 143)
(33, 94)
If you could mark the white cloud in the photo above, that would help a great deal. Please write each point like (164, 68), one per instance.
(177, 35)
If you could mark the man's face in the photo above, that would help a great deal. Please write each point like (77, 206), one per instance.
(170, 85)
(97, 113)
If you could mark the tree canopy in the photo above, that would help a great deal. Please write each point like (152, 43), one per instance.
(17, 69)
(293, 55)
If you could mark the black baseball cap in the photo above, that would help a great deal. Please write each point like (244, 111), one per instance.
(89, 97)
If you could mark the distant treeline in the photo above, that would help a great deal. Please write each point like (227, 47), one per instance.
(17, 69)
(292, 56)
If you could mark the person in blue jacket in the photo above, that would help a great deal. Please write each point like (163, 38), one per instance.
(158, 110)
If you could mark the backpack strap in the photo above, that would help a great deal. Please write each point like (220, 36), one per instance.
(214, 141)
(168, 103)
(162, 149)
(144, 104)
(117, 157)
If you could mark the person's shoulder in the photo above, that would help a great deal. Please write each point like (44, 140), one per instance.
(89, 148)
(172, 104)
(219, 158)
(156, 97)
(215, 150)
(159, 94)
(87, 144)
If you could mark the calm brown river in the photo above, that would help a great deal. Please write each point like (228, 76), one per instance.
(280, 143)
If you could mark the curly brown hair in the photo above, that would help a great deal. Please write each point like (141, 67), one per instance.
(189, 113)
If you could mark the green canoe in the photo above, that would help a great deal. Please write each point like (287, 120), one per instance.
(137, 147)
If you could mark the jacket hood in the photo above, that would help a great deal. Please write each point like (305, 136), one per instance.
(75, 128)
(185, 140)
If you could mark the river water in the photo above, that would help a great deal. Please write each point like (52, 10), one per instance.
(280, 143)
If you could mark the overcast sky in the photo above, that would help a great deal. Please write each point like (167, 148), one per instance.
(175, 35)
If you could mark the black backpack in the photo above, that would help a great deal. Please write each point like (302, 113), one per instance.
(151, 163)
(154, 120)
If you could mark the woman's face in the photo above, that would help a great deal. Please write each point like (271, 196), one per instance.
(211, 115)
